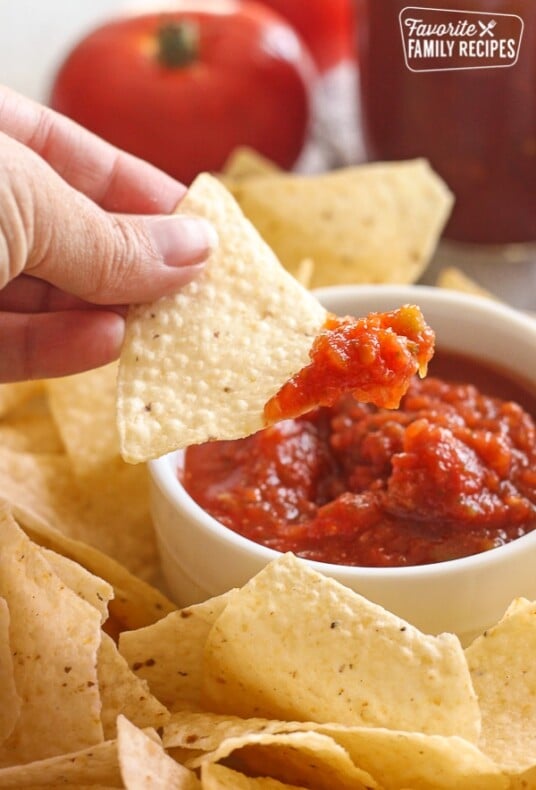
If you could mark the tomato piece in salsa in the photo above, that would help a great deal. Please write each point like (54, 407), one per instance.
(373, 357)
(451, 473)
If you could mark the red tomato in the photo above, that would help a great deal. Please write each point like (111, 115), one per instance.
(326, 27)
(183, 88)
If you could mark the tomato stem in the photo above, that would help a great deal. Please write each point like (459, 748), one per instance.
(178, 43)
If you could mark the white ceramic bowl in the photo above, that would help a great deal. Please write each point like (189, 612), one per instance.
(201, 558)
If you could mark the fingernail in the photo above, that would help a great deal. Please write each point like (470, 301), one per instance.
(182, 240)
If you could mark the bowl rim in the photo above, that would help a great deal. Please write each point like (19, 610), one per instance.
(164, 470)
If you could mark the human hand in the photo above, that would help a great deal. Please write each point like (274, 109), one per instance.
(70, 254)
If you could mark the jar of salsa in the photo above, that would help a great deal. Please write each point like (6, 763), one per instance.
(457, 85)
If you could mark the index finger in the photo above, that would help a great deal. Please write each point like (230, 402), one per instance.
(112, 178)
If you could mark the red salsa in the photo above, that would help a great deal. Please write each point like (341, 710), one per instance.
(451, 473)
(373, 357)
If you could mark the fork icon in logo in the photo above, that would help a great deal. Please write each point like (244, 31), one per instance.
(486, 29)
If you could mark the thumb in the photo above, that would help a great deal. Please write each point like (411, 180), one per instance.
(53, 232)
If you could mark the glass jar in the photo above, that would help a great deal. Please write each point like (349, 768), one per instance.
(473, 118)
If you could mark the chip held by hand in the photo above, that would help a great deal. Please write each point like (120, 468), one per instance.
(245, 346)
(201, 364)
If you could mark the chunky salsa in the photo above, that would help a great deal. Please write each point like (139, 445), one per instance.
(451, 473)
(373, 357)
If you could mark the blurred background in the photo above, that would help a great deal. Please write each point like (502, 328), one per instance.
(36, 38)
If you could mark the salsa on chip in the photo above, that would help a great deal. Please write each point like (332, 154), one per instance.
(211, 361)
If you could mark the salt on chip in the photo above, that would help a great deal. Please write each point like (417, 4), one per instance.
(55, 636)
(219, 777)
(123, 693)
(10, 701)
(298, 758)
(373, 223)
(169, 654)
(503, 669)
(145, 765)
(340, 658)
(203, 363)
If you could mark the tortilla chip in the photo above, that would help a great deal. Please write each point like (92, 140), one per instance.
(245, 162)
(414, 759)
(374, 223)
(305, 271)
(298, 758)
(218, 777)
(14, 395)
(86, 585)
(10, 701)
(393, 758)
(169, 654)
(456, 280)
(96, 765)
(114, 522)
(201, 364)
(124, 693)
(340, 658)
(144, 763)
(34, 433)
(135, 603)
(55, 637)
(83, 408)
(502, 666)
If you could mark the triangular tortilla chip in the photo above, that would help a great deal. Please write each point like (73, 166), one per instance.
(169, 653)
(55, 636)
(145, 765)
(124, 693)
(202, 364)
(135, 603)
(374, 223)
(502, 666)
(340, 658)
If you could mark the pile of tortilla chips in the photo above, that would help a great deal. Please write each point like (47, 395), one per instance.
(371, 223)
(62, 476)
(293, 681)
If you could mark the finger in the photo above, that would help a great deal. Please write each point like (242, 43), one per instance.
(29, 295)
(54, 233)
(113, 179)
(57, 344)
